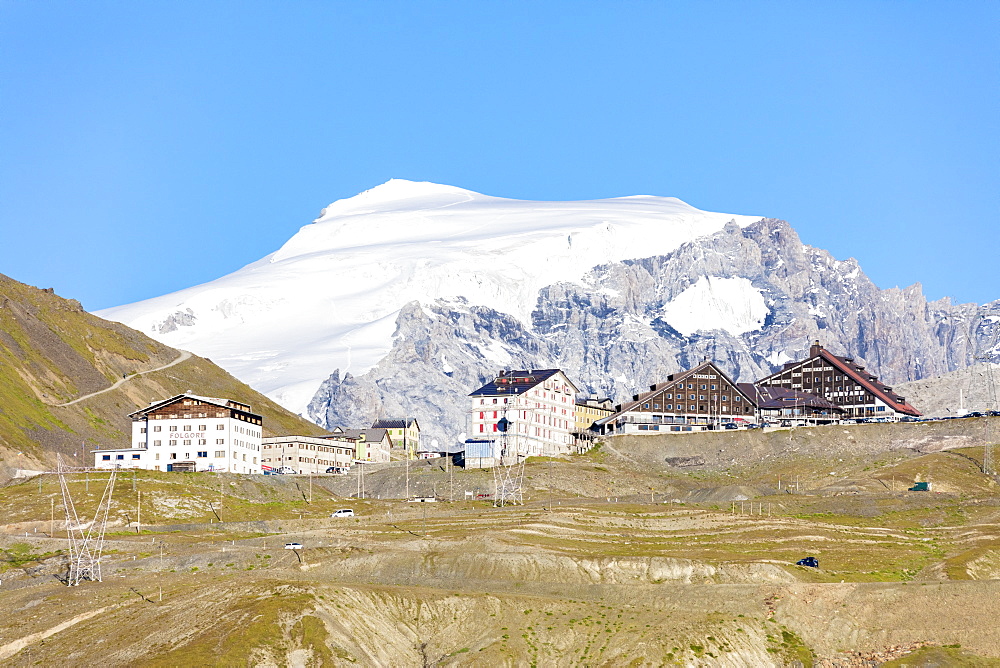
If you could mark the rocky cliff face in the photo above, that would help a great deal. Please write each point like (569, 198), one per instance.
(749, 298)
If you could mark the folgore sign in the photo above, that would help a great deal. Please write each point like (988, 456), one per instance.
(188, 434)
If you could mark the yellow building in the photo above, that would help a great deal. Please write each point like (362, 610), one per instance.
(404, 432)
(591, 409)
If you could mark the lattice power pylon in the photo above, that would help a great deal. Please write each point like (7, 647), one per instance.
(508, 474)
(984, 337)
(86, 539)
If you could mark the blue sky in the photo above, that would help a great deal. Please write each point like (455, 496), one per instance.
(149, 146)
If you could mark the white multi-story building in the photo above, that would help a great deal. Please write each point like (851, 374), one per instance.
(306, 454)
(534, 409)
(190, 433)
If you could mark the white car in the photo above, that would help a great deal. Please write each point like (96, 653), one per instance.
(293, 546)
(343, 512)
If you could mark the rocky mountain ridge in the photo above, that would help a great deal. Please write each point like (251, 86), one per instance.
(610, 333)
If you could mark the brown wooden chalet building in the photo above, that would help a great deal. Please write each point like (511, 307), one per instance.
(842, 382)
(688, 401)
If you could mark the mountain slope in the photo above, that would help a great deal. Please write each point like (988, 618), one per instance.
(52, 352)
(401, 300)
(329, 298)
(764, 295)
(954, 393)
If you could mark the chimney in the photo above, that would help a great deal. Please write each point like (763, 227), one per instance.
(815, 348)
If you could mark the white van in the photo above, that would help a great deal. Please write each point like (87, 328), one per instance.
(343, 512)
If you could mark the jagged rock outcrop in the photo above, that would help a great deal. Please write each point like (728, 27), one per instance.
(764, 295)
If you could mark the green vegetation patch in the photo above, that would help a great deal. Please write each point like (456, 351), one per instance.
(254, 630)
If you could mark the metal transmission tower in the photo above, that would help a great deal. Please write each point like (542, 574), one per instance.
(86, 540)
(984, 337)
(508, 478)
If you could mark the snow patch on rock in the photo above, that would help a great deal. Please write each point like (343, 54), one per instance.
(733, 305)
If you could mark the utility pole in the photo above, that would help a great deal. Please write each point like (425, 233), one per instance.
(52, 519)
(138, 512)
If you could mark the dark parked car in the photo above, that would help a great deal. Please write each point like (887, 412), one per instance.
(811, 562)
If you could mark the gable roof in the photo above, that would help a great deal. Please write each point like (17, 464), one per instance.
(857, 373)
(517, 381)
(212, 401)
(395, 423)
(660, 388)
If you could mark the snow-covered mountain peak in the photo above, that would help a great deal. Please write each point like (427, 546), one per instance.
(394, 193)
(329, 297)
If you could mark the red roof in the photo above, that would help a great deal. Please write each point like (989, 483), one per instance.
(858, 374)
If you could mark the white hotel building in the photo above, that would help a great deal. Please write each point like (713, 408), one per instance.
(190, 433)
(535, 408)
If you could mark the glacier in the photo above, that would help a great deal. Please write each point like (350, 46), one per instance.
(329, 297)
(404, 298)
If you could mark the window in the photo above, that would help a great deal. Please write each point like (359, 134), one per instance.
(220, 453)
(736, 399)
(157, 428)
(669, 396)
(692, 408)
(142, 430)
(202, 427)
(713, 387)
(221, 441)
(701, 397)
(172, 442)
(173, 427)
(157, 442)
(156, 456)
(137, 456)
(725, 398)
(705, 387)
(220, 426)
(119, 456)
(106, 458)
(187, 441)
(670, 407)
(203, 453)
(202, 441)
(691, 397)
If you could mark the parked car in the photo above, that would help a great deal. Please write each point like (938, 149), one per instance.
(343, 512)
(731, 425)
(811, 562)
(293, 546)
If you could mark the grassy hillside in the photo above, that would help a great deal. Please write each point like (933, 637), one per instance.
(571, 578)
(52, 352)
